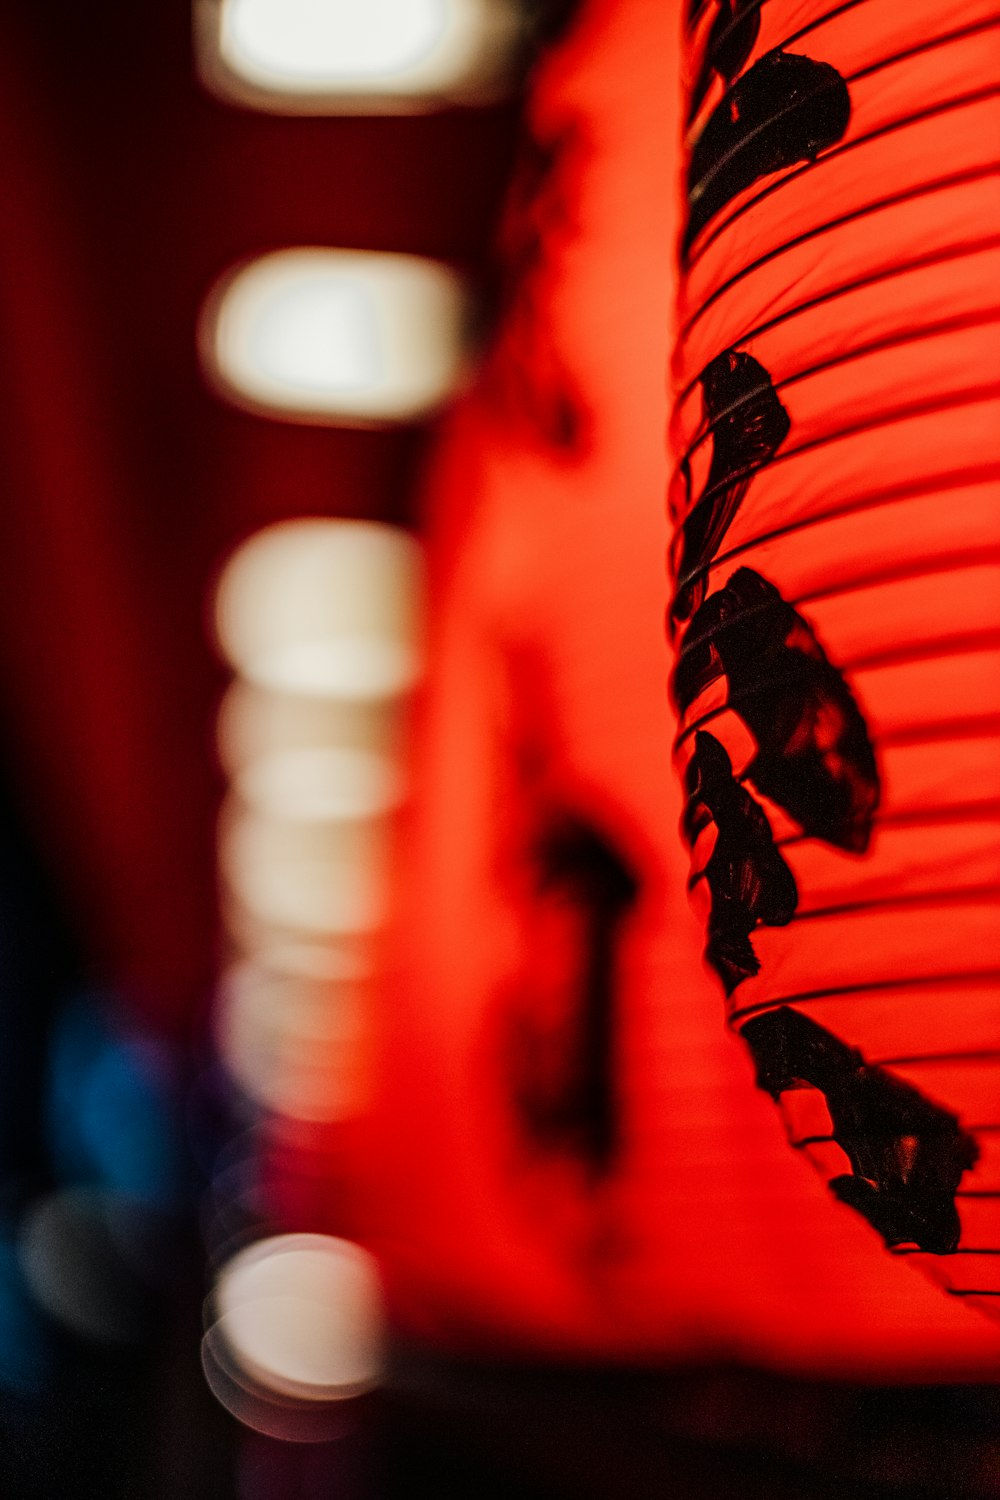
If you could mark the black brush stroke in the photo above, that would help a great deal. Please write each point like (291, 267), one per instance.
(908, 1154)
(750, 883)
(748, 424)
(786, 109)
(814, 756)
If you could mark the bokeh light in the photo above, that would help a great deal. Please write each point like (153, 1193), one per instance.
(294, 1045)
(256, 723)
(302, 1316)
(73, 1259)
(287, 949)
(111, 1106)
(337, 336)
(324, 608)
(321, 785)
(264, 1411)
(313, 878)
(323, 56)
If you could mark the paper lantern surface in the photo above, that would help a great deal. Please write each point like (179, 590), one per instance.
(836, 614)
(576, 1160)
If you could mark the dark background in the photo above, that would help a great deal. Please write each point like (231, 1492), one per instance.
(126, 191)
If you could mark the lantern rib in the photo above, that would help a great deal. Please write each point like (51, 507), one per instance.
(954, 401)
(873, 500)
(914, 334)
(967, 175)
(927, 261)
(816, 24)
(968, 895)
(902, 122)
(989, 976)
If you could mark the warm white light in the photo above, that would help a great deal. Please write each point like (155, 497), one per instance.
(256, 723)
(312, 43)
(295, 1046)
(302, 1315)
(337, 336)
(301, 1421)
(324, 608)
(310, 878)
(286, 949)
(328, 55)
(320, 785)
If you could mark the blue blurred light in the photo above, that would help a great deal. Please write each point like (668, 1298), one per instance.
(125, 1117)
(24, 1343)
(111, 1115)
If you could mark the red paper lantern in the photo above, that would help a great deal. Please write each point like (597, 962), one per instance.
(836, 611)
(574, 1156)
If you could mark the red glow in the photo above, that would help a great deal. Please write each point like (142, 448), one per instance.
(704, 1235)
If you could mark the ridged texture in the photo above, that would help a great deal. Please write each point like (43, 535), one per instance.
(836, 610)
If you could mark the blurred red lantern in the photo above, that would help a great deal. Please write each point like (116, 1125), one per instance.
(575, 1158)
(836, 614)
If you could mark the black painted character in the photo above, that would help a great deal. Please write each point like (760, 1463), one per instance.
(785, 109)
(748, 424)
(814, 756)
(750, 883)
(907, 1153)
